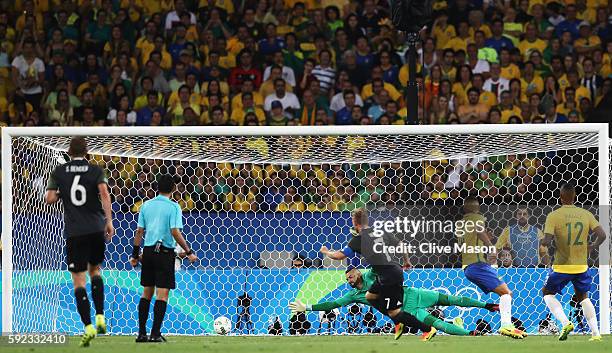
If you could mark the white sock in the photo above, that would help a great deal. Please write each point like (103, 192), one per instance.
(505, 309)
(589, 313)
(556, 309)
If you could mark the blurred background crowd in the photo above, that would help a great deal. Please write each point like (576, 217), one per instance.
(286, 62)
(318, 62)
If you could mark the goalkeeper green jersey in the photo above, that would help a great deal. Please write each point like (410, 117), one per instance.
(414, 298)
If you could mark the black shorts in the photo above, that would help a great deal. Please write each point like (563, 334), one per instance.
(83, 250)
(157, 268)
(389, 285)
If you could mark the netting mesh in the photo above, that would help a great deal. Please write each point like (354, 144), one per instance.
(326, 149)
(258, 209)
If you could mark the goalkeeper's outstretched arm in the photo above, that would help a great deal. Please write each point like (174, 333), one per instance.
(298, 306)
(334, 255)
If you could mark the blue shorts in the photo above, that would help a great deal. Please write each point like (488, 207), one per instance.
(557, 281)
(483, 275)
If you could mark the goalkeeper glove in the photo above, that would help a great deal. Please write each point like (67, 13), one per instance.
(298, 307)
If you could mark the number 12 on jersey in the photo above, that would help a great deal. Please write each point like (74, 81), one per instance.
(577, 227)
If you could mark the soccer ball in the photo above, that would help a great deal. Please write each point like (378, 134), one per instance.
(222, 325)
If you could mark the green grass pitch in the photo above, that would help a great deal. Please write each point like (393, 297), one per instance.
(329, 344)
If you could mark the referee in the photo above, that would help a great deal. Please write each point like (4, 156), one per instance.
(162, 220)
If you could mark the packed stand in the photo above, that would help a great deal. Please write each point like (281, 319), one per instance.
(216, 62)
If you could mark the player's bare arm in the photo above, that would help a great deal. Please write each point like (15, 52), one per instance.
(547, 240)
(108, 211)
(600, 237)
(188, 253)
(484, 237)
(52, 196)
(334, 255)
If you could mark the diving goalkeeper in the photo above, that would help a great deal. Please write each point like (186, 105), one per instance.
(415, 302)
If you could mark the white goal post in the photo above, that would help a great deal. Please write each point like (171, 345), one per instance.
(31, 231)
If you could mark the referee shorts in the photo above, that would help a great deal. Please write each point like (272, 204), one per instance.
(158, 268)
(83, 250)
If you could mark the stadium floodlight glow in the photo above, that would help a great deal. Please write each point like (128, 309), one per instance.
(245, 251)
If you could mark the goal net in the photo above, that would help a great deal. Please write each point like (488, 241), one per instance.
(259, 203)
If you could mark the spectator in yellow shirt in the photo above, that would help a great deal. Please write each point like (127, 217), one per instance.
(487, 98)
(442, 31)
(378, 85)
(267, 88)
(449, 71)
(584, 12)
(531, 41)
(569, 101)
(146, 44)
(151, 7)
(248, 86)
(462, 39)
(176, 109)
(475, 19)
(507, 108)
(587, 43)
(573, 80)
(508, 69)
(530, 83)
(473, 112)
(240, 198)
(183, 198)
(248, 107)
(463, 82)
(226, 5)
(292, 202)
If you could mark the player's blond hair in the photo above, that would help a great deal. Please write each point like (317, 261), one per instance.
(360, 215)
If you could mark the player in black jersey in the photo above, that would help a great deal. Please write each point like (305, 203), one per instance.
(88, 224)
(386, 293)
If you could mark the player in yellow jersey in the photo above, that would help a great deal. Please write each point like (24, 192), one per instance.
(570, 226)
(471, 234)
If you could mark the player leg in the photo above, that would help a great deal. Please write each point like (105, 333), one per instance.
(147, 280)
(164, 281)
(554, 284)
(582, 286)
(143, 313)
(505, 311)
(98, 247)
(485, 277)
(389, 300)
(79, 280)
(159, 312)
(425, 317)
(429, 298)
(77, 253)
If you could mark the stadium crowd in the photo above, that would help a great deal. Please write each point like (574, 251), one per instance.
(219, 62)
(334, 187)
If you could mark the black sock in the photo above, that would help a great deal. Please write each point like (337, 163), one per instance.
(97, 294)
(143, 315)
(411, 321)
(159, 311)
(82, 303)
